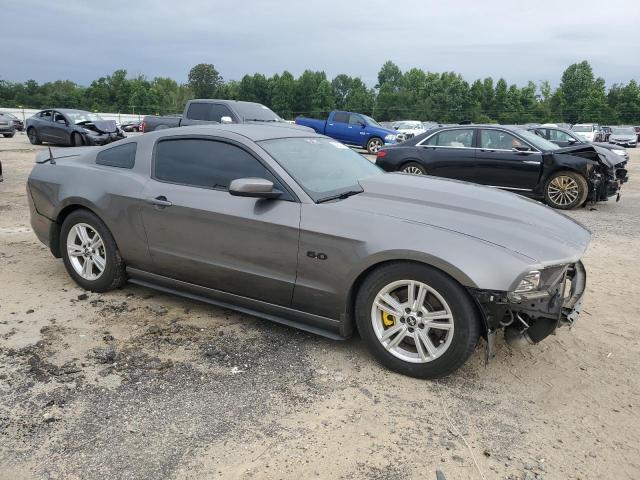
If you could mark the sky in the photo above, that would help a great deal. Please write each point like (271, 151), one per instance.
(84, 40)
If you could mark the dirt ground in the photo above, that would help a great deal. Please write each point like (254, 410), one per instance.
(139, 384)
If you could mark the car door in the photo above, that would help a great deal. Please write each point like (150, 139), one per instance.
(500, 164)
(197, 232)
(338, 126)
(59, 129)
(450, 154)
(44, 125)
(357, 133)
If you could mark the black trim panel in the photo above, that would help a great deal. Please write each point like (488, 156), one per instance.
(323, 326)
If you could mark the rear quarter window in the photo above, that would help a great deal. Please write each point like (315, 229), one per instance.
(120, 156)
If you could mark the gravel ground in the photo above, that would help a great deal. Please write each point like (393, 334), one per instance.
(138, 384)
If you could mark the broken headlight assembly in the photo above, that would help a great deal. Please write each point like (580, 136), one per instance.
(531, 281)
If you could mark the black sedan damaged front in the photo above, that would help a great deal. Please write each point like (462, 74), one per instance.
(100, 132)
(542, 301)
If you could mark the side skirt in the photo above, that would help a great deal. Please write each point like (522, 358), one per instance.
(323, 326)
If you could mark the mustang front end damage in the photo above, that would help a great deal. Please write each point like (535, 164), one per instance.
(544, 301)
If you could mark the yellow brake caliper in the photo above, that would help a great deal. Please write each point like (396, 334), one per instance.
(388, 320)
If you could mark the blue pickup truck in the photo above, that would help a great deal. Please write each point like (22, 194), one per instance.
(354, 129)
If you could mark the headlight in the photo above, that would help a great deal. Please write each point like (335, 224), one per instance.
(531, 281)
(390, 138)
(90, 132)
(619, 152)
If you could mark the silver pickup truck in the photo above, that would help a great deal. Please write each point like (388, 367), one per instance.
(207, 111)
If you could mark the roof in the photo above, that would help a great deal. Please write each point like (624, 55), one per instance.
(252, 131)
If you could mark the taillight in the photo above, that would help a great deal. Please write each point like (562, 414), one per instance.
(381, 153)
(143, 126)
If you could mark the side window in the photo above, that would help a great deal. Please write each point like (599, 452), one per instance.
(59, 118)
(206, 163)
(355, 119)
(121, 156)
(460, 138)
(46, 115)
(542, 132)
(559, 136)
(341, 117)
(218, 111)
(198, 111)
(498, 140)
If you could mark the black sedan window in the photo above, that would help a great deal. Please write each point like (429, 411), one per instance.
(498, 140)
(460, 138)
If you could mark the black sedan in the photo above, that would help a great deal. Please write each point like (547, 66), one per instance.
(510, 158)
(71, 127)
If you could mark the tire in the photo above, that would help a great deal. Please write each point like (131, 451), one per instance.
(566, 190)
(374, 144)
(112, 275)
(77, 140)
(451, 347)
(8, 135)
(34, 138)
(413, 168)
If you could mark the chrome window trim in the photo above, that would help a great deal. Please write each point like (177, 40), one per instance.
(532, 147)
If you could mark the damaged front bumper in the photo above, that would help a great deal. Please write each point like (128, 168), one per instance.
(103, 139)
(529, 317)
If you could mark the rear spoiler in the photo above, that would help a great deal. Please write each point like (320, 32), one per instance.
(51, 155)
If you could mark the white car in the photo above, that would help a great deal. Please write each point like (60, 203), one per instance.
(410, 128)
(586, 130)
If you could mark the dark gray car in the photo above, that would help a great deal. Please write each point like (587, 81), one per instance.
(297, 228)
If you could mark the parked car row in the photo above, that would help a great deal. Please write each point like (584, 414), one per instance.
(289, 225)
(625, 136)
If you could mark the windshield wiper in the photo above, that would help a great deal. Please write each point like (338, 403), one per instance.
(339, 196)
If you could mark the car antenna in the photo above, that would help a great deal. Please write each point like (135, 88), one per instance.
(51, 160)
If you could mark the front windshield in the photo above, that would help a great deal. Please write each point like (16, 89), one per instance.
(321, 166)
(623, 131)
(254, 112)
(537, 141)
(80, 116)
(371, 121)
(582, 128)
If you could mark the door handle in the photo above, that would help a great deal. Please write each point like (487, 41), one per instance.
(531, 162)
(160, 201)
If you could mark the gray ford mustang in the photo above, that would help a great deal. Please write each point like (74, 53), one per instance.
(296, 228)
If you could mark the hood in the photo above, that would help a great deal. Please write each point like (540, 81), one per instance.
(504, 219)
(604, 156)
(100, 126)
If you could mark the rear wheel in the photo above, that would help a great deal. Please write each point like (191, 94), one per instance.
(34, 138)
(77, 140)
(8, 135)
(566, 190)
(416, 320)
(373, 145)
(90, 253)
(414, 168)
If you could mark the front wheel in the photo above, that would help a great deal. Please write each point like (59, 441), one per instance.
(8, 135)
(416, 320)
(77, 140)
(90, 253)
(566, 190)
(373, 145)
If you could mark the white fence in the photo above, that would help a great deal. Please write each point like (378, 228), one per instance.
(24, 113)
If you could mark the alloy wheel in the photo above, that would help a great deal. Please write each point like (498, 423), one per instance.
(563, 190)
(86, 251)
(413, 170)
(375, 145)
(412, 321)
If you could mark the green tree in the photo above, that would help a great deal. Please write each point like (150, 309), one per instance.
(204, 80)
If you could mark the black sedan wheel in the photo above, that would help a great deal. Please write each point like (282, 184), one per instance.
(90, 253)
(566, 190)
(414, 168)
(34, 138)
(373, 145)
(416, 320)
(8, 135)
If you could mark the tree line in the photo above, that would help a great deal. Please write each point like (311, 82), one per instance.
(414, 94)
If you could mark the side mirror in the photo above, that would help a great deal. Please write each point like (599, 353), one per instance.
(253, 187)
(226, 120)
(521, 148)
(572, 141)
